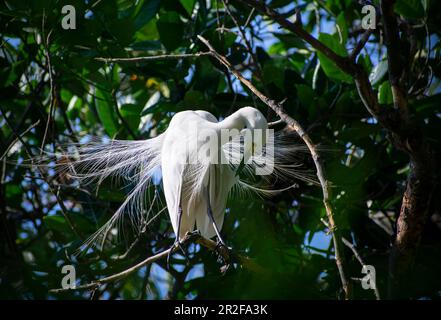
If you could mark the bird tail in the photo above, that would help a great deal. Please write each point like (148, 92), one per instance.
(135, 162)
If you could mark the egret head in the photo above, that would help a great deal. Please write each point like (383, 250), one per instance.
(254, 131)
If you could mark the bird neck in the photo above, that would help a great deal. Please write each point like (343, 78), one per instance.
(234, 121)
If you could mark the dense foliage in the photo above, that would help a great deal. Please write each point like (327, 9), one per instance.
(54, 91)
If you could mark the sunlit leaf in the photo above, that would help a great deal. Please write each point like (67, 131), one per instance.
(328, 66)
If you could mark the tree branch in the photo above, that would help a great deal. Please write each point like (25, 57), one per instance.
(155, 58)
(360, 259)
(32, 126)
(403, 128)
(360, 44)
(416, 198)
(63, 208)
(356, 254)
(51, 82)
(244, 38)
(342, 62)
(127, 272)
(277, 107)
(189, 237)
(395, 58)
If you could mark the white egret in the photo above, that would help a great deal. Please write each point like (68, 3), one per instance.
(196, 188)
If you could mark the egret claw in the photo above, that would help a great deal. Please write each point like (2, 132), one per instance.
(177, 243)
(224, 254)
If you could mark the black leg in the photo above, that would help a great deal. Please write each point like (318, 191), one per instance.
(221, 248)
(177, 241)
(210, 215)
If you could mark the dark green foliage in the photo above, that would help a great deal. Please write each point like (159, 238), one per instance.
(283, 235)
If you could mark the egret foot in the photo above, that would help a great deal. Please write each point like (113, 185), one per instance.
(177, 244)
(224, 255)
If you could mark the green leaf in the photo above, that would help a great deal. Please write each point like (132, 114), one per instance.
(148, 32)
(378, 72)
(146, 12)
(428, 105)
(385, 93)
(146, 45)
(111, 195)
(131, 109)
(305, 95)
(308, 101)
(290, 41)
(14, 73)
(188, 5)
(412, 9)
(343, 27)
(331, 70)
(13, 190)
(272, 73)
(171, 30)
(194, 98)
(57, 223)
(131, 114)
(106, 111)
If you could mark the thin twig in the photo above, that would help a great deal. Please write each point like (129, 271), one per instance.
(155, 58)
(275, 123)
(249, 18)
(51, 188)
(396, 63)
(136, 241)
(51, 82)
(360, 259)
(348, 244)
(360, 44)
(120, 116)
(32, 126)
(244, 38)
(120, 275)
(357, 256)
(342, 62)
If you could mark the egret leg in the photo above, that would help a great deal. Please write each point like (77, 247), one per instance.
(221, 248)
(177, 242)
(210, 215)
(216, 229)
